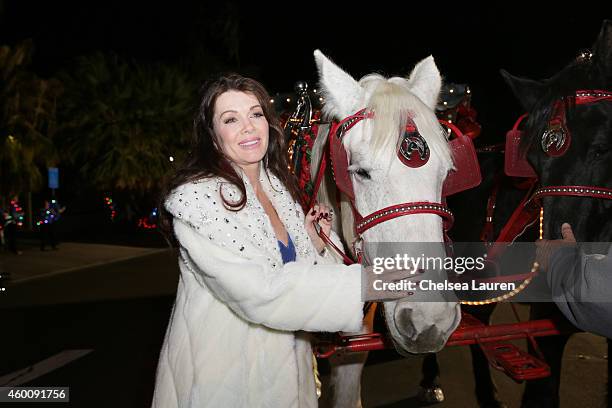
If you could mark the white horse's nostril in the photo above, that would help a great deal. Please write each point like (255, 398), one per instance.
(417, 332)
(404, 322)
(430, 340)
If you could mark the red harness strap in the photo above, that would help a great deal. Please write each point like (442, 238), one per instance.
(488, 231)
(584, 97)
(523, 216)
(328, 241)
(573, 191)
(528, 210)
(399, 210)
(318, 181)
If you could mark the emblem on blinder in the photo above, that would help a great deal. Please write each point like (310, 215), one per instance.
(556, 138)
(413, 150)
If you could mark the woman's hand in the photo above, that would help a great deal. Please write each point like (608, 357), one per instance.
(323, 215)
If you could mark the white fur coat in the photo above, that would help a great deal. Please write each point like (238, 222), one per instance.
(237, 335)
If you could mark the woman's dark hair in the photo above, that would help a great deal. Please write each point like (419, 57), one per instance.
(205, 159)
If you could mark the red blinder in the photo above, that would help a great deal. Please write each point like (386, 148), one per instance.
(339, 161)
(515, 161)
(413, 150)
(467, 171)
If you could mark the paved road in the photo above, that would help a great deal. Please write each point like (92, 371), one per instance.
(34, 263)
(117, 314)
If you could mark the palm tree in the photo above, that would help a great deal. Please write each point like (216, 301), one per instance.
(123, 121)
(27, 122)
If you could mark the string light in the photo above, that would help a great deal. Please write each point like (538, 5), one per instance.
(514, 292)
(18, 211)
(109, 204)
(50, 214)
(171, 159)
(541, 222)
(149, 222)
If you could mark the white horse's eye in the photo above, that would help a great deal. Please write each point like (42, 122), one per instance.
(363, 173)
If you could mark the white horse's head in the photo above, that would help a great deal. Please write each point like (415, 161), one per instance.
(423, 322)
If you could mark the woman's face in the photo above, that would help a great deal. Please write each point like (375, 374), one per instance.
(241, 128)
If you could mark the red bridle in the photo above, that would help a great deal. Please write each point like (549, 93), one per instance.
(582, 97)
(528, 210)
(339, 165)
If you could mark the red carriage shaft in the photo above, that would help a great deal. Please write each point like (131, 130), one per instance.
(501, 332)
(493, 341)
(471, 331)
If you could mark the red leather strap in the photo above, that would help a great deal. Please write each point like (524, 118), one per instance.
(488, 231)
(466, 174)
(585, 97)
(400, 210)
(518, 121)
(572, 191)
(523, 216)
(328, 241)
(318, 181)
(454, 129)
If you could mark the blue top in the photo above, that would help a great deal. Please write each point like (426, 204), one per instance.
(287, 252)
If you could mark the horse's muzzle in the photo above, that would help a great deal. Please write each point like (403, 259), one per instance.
(423, 327)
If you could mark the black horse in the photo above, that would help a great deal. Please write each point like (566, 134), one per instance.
(586, 161)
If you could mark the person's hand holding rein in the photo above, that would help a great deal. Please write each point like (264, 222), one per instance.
(545, 248)
(323, 215)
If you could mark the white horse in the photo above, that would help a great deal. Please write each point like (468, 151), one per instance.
(380, 179)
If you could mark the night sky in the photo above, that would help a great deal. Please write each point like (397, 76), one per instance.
(275, 43)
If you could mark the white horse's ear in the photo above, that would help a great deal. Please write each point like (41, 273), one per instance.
(341, 92)
(425, 82)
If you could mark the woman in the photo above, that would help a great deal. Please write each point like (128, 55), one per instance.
(253, 277)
